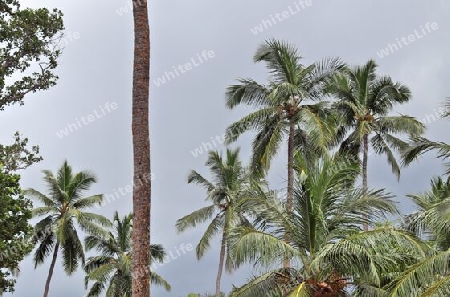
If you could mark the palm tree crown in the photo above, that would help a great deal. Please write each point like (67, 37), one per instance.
(287, 102)
(364, 102)
(62, 208)
(229, 183)
(111, 270)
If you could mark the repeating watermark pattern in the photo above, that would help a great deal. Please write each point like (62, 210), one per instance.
(437, 115)
(209, 145)
(180, 69)
(218, 140)
(404, 41)
(123, 191)
(180, 251)
(279, 17)
(85, 120)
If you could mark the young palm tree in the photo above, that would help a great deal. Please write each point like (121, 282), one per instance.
(229, 183)
(364, 102)
(111, 270)
(430, 276)
(63, 208)
(288, 106)
(421, 145)
(141, 148)
(331, 252)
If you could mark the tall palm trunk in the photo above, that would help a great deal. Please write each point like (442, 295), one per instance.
(141, 151)
(221, 261)
(290, 185)
(364, 170)
(50, 271)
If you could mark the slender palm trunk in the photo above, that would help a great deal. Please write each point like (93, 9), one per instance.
(364, 171)
(141, 151)
(50, 271)
(290, 185)
(221, 262)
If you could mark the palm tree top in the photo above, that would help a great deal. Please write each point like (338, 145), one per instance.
(113, 265)
(64, 209)
(290, 81)
(363, 94)
(226, 175)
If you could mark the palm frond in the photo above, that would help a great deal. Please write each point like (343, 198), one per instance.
(87, 202)
(195, 218)
(156, 279)
(427, 275)
(421, 145)
(248, 92)
(213, 228)
(272, 283)
(281, 58)
(72, 251)
(196, 178)
(255, 120)
(40, 197)
(253, 246)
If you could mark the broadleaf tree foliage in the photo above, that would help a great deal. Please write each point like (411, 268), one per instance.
(28, 57)
(29, 40)
(15, 230)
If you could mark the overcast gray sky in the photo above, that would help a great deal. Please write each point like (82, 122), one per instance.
(96, 68)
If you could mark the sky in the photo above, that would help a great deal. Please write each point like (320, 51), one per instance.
(189, 109)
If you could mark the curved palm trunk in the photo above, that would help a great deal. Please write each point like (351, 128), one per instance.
(141, 151)
(290, 184)
(222, 259)
(364, 169)
(50, 271)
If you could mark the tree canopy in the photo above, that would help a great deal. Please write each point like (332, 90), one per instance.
(30, 48)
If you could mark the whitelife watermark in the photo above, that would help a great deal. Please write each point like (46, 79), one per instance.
(404, 41)
(123, 191)
(183, 68)
(85, 120)
(279, 17)
(437, 115)
(180, 251)
(218, 140)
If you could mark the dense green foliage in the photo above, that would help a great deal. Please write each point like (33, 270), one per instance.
(29, 50)
(28, 53)
(322, 228)
(15, 231)
(18, 155)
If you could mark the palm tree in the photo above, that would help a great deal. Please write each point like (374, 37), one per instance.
(430, 275)
(421, 145)
(331, 252)
(62, 208)
(286, 106)
(364, 102)
(141, 149)
(229, 183)
(111, 270)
